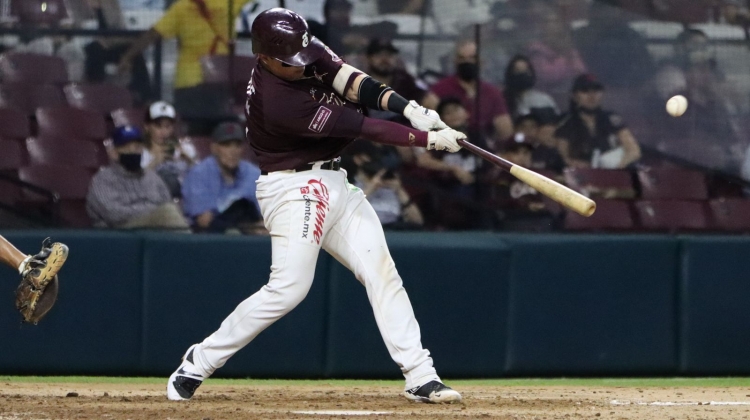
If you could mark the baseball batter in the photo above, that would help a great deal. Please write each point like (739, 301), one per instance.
(304, 106)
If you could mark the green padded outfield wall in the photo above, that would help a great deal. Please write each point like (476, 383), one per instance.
(489, 305)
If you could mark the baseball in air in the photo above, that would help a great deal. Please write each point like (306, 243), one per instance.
(677, 105)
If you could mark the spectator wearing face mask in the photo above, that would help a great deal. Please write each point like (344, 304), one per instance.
(589, 136)
(492, 117)
(125, 196)
(519, 93)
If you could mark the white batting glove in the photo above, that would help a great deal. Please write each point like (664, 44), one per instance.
(446, 139)
(423, 119)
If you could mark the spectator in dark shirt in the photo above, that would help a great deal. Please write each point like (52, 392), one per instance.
(123, 195)
(520, 207)
(591, 137)
(546, 154)
(382, 187)
(613, 50)
(383, 64)
(340, 35)
(492, 117)
(520, 94)
(219, 192)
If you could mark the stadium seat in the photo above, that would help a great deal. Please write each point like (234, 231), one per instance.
(84, 154)
(216, 71)
(69, 182)
(202, 145)
(610, 215)
(102, 97)
(13, 125)
(731, 214)
(32, 68)
(601, 182)
(39, 12)
(672, 184)
(28, 97)
(65, 123)
(12, 155)
(672, 215)
(216, 68)
(128, 116)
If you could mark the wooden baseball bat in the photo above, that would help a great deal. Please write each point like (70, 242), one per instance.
(554, 190)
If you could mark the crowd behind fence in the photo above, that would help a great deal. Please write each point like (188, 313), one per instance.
(570, 88)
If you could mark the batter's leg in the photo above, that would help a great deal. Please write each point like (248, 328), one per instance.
(358, 242)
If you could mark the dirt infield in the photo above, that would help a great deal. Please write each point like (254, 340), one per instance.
(136, 401)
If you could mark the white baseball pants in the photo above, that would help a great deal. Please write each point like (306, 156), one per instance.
(304, 211)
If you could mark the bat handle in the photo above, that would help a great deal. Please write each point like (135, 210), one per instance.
(497, 160)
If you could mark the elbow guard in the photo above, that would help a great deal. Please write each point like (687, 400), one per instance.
(371, 93)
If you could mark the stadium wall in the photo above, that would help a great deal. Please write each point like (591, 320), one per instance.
(489, 305)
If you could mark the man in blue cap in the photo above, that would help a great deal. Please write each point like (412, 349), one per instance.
(219, 193)
(125, 196)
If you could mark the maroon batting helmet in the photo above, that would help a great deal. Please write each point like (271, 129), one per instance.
(285, 36)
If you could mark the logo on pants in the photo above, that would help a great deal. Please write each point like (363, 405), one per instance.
(319, 192)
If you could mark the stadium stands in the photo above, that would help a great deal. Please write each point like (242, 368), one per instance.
(65, 123)
(84, 154)
(27, 97)
(13, 125)
(610, 215)
(39, 12)
(102, 97)
(732, 214)
(601, 182)
(672, 215)
(128, 116)
(672, 184)
(32, 68)
(71, 183)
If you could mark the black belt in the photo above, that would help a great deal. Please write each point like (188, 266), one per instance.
(329, 165)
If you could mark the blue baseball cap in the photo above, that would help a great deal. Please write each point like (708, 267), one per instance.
(126, 134)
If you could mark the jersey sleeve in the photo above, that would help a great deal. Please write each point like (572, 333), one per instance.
(168, 25)
(301, 116)
(616, 122)
(326, 66)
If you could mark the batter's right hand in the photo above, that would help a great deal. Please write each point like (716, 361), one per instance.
(445, 139)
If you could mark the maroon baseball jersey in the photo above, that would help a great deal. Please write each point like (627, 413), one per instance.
(293, 123)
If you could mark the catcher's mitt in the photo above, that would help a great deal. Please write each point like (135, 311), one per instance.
(37, 292)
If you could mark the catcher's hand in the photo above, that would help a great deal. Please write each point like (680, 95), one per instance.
(37, 292)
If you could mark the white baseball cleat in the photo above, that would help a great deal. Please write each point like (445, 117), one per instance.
(185, 380)
(434, 392)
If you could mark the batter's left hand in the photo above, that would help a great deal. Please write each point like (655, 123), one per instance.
(422, 118)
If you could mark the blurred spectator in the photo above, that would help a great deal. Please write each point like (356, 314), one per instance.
(219, 192)
(454, 176)
(537, 128)
(712, 99)
(163, 152)
(734, 12)
(613, 50)
(382, 187)
(456, 169)
(383, 65)
(340, 35)
(202, 27)
(409, 7)
(589, 136)
(103, 54)
(123, 195)
(555, 57)
(492, 117)
(546, 154)
(519, 93)
(520, 207)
